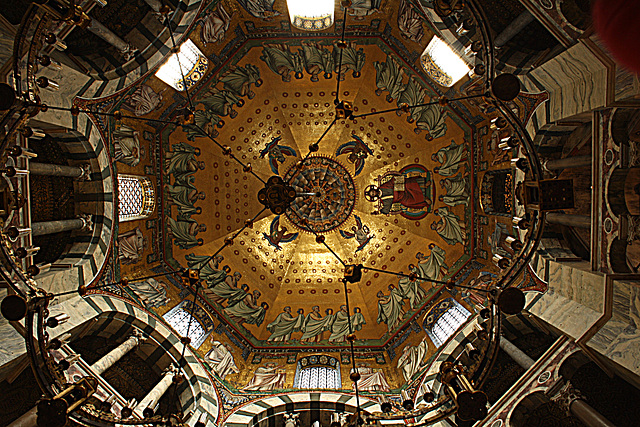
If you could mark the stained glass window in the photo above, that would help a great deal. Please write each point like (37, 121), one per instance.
(179, 319)
(319, 377)
(136, 197)
(318, 371)
(188, 62)
(442, 64)
(447, 323)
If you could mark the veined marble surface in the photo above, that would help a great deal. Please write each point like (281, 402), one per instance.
(574, 301)
(58, 282)
(12, 342)
(576, 80)
(619, 338)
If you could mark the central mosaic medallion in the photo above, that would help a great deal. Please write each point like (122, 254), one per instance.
(329, 194)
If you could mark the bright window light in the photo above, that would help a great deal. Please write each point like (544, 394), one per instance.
(442, 64)
(440, 325)
(136, 197)
(194, 64)
(311, 14)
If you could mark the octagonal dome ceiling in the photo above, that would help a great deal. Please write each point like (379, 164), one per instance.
(389, 191)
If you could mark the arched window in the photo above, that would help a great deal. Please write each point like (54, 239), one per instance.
(444, 319)
(192, 62)
(136, 197)
(179, 318)
(318, 371)
(442, 64)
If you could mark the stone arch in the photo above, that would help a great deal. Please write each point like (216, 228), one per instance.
(576, 12)
(622, 121)
(617, 254)
(109, 313)
(84, 259)
(526, 407)
(319, 404)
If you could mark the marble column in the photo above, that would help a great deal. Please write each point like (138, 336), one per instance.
(568, 162)
(51, 227)
(29, 419)
(49, 169)
(579, 221)
(117, 353)
(154, 396)
(97, 28)
(573, 402)
(519, 356)
(513, 28)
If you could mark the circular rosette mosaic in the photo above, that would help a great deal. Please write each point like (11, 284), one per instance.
(329, 194)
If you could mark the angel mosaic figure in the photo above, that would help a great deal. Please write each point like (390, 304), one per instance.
(358, 152)
(277, 153)
(360, 232)
(278, 235)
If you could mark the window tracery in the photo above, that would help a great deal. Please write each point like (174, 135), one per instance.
(136, 197)
(179, 319)
(318, 371)
(442, 64)
(188, 62)
(444, 320)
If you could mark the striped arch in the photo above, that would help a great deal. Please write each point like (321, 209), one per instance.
(449, 352)
(85, 145)
(198, 395)
(253, 412)
(110, 82)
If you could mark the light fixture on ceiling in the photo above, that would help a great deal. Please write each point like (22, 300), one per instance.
(184, 68)
(442, 63)
(311, 15)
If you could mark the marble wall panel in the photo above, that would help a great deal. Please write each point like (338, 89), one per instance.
(576, 80)
(574, 301)
(619, 338)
